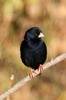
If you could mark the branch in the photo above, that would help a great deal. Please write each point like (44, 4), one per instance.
(27, 78)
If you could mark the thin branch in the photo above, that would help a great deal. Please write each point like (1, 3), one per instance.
(27, 78)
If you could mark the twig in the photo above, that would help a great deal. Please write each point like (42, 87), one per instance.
(27, 78)
(10, 85)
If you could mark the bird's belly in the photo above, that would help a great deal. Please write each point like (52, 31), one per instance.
(39, 57)
(33, 58)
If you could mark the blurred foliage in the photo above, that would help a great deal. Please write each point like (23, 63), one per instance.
(16, 16)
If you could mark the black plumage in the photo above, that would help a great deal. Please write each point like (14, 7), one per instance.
(33, 49)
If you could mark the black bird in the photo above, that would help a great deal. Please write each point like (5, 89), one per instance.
(33, 49)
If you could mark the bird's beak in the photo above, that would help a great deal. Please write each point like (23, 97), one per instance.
(41, 35)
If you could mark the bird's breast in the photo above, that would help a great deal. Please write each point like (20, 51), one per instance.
(34, 46)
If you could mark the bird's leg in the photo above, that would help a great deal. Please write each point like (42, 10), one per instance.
(40, 68)
(32, 72)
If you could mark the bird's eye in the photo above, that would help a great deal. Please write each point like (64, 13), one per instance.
(36, 34)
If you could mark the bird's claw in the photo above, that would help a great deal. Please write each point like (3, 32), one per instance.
(31, 74)
(40, 68)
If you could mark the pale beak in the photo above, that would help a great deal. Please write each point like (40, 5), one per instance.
(41, 35)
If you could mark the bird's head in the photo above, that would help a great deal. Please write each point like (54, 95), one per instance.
(33, 33)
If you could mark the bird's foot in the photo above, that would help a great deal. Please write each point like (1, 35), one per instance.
(40, 68)
(31, 74)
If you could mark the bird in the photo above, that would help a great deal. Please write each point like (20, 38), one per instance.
(33, 50)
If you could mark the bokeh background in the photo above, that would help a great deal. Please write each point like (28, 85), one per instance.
(16, 16)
